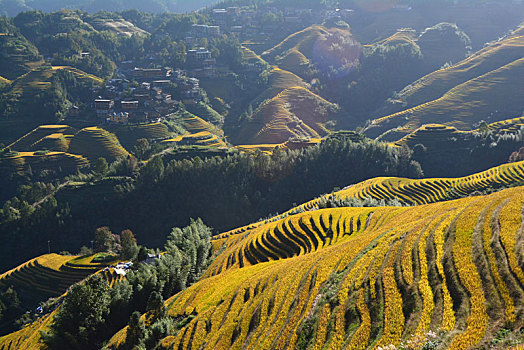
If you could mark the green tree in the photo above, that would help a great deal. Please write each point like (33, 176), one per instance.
(129, 246)
(79, 324)
(104, 239)
(142, 148)
(101, 167)
(136, 330)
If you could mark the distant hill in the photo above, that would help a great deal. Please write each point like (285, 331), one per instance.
(316, 48)
(485, 86)
(12, 8)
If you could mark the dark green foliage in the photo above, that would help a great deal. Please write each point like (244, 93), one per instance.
(80, 322)
(104, 240)
(129, 245)
(101, 168)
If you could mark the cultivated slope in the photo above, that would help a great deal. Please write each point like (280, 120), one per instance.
(485, 86)
(363, 277)
(295, 112)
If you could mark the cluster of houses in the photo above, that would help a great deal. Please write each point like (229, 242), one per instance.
(148, 101)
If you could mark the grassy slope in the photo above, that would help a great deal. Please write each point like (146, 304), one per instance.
(434, 135)
(362, 277)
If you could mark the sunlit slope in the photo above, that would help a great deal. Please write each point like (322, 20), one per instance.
(314, 46)
(278, 81)
(41, 79)
(28, 141)
(363, 277)
(420, 191)
(19, 161)
(129, 134)
(436, 84)
(499, 91)
(295, 112)
(434, 136)
(94, 143)
(47, 276)
(424, 191)
(28, 338)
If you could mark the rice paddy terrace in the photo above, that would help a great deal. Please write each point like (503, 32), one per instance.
(481, 87)
(60, 146)
(435, 136)
(47, 276)
(295, 112)
(94, 142)
(418, 191)
(423, 191)
(129, 134)
(199, 133)
(360, 278)
(203, 138)
(40, 79)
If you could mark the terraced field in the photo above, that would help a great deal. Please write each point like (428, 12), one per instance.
(420, 191)
(129, 134)
(481, 87)
(203, 138)
(30, 140)
(434, 136)
(362, 278)
(40, 79)
(94, 142)
(295, 112)
(268, 148)
(47, 276)
(425, 191)
(20, 161)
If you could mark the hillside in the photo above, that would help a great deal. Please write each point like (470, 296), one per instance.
(315, 47)
(61, 146)
(94, 142)
(295, 112)
(485, 86)
(39, 79)
(47, 276)
(360, 277)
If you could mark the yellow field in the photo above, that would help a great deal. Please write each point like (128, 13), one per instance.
(419, 191)
(360, 278)
(203, 138)
(465, 104)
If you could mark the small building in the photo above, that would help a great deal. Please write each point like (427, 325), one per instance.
(200, 54)
(103, 106)
(74, 111)
(148, 73)
(118, 118)
(129, 105)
